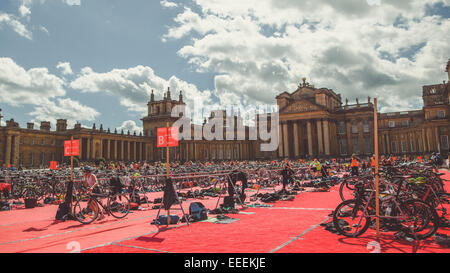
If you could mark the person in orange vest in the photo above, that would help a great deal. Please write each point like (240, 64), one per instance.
(372, 163)
(354, 165)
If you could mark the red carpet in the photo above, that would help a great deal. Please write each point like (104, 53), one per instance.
(287, 227)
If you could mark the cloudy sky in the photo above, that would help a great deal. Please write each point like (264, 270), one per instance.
(96, 61)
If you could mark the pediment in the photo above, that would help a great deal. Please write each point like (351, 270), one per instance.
(300, 106)
(304, 92)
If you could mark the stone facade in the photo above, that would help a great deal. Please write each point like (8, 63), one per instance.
(312, 123)
(32, 147)
(315, 123)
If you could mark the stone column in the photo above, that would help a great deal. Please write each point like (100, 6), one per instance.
(100, 152)
(92, 148)
(115, 149)
(310, 140)
(424, 144)
(286, 140)
(108, 149)
(383, 144)
(128, 150)
(88, 149)
(388, 140)
(8, 150)
(296, 140)
(300, 139)
(140, 151)
(361, 140)
(326, 136)
(144, 151)
(80, 148)
(416, 141)
(280, 140)
(319, 136)
(430, 147)
(196, 151)
(122, 150)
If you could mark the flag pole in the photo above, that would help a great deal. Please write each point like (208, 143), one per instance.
(377, 176)
(71, 169)
(167, 167)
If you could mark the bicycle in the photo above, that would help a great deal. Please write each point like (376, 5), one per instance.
(86, 210)
(353, 217)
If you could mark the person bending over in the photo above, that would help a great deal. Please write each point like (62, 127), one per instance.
(91, 182)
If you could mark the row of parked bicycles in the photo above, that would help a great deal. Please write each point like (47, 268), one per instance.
(412, 195)
(412, 200)
(43, 184)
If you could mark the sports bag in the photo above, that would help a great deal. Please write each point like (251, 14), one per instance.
(63, 210)
(198, 211)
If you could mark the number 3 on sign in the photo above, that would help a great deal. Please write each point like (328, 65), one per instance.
(74, 246)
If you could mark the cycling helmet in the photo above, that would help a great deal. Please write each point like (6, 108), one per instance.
(88, 169)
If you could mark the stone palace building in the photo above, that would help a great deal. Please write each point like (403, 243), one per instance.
(312, 123)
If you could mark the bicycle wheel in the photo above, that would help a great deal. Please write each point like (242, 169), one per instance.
(421, 220)
(349, 219)
(438, 185)
(86, 211)
(440, 202)
(119, 205)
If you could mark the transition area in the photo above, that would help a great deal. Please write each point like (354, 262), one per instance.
(295, 226)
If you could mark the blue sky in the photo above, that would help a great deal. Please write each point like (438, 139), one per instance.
(218, 52)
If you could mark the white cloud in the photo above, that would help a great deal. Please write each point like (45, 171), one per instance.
(72, 2)
(44, 29)
(34, 86)
(133, 86)
(168, 4)
(65, 68)
(63, 108)
(24, 11)
(130, 125)
(12, 22)
(258, 49)
(43, 91)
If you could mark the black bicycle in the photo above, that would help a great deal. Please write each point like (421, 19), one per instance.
(414, 217)
(86, 209)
